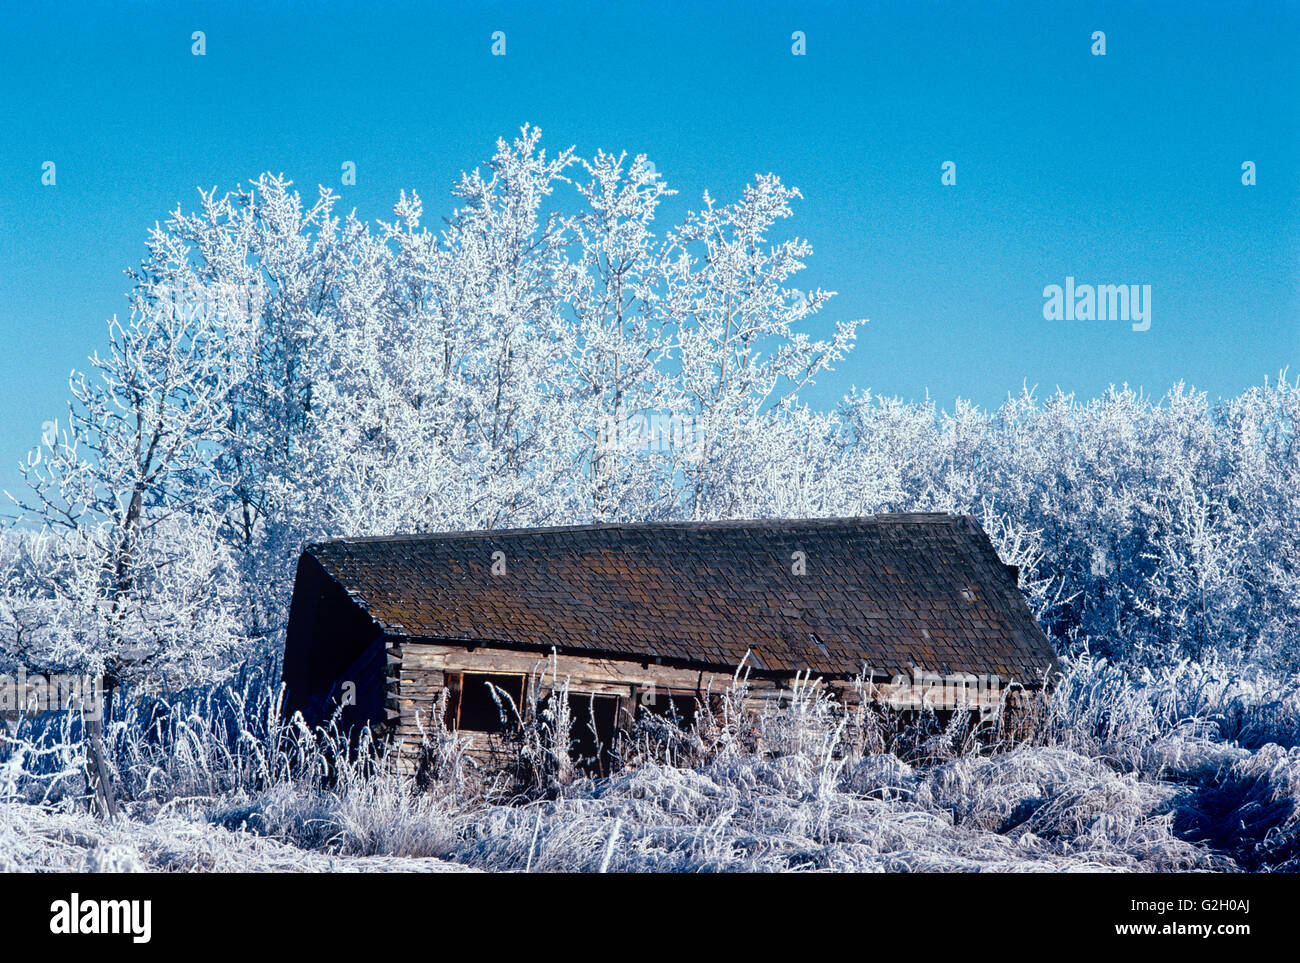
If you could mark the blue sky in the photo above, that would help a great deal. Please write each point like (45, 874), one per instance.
(1117, 169)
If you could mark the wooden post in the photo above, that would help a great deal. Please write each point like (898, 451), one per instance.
(98, 765)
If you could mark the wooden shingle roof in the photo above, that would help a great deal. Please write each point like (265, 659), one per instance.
(896, 592)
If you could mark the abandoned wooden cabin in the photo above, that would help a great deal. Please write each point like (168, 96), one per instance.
(653, 617)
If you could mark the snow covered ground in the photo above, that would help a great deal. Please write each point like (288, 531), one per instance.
(34, 839)
(1033, 809)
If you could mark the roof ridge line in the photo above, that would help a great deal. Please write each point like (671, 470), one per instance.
(758, 524)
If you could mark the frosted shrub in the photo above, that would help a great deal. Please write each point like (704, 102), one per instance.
(1252, 812)
(539, 736)
(441, 760)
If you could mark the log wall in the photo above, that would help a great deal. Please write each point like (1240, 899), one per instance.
(419, 673)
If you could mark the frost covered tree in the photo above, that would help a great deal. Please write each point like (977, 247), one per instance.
(127, 576)
(484, 303)
(438, 396)
(268, 265)
(621, 390)
(1154, 529)
(741, 360)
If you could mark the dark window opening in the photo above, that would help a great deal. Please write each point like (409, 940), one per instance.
(680, 707)
(592, 734)
(479, 711)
